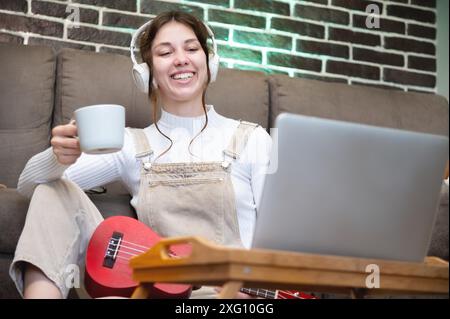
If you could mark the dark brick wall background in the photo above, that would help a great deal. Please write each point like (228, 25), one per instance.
(319, 39)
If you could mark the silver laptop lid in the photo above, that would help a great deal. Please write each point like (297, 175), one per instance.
(349, 189)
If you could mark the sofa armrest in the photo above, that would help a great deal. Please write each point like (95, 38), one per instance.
(439, 240)
(13, 210)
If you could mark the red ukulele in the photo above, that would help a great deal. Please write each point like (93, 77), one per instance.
(116, 240)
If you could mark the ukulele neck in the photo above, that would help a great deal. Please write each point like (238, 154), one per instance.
(263, 293)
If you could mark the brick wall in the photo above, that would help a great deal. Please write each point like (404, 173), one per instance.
(319, 39)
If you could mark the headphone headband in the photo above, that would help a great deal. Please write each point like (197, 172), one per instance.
(134, 39)
(144, 26)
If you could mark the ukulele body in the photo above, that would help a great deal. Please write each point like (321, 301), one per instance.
(113, 243)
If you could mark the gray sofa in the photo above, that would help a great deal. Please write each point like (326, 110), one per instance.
(40, 88)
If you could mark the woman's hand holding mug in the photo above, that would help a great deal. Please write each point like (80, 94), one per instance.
(65, 143)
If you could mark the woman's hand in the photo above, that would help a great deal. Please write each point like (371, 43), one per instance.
(65, 143)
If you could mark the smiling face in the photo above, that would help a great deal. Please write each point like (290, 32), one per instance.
(178, 64)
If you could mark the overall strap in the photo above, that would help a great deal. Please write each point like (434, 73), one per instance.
(140, 142)
(239, 139)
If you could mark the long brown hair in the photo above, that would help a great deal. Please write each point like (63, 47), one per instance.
(146, 42)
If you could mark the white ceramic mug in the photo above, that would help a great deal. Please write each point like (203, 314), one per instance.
(101, 128)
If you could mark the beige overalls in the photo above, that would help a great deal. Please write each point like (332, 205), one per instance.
(174, 199)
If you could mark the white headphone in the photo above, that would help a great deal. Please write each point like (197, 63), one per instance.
(141, 73)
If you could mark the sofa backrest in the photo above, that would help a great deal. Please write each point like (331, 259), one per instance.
(412, 111)
(241, 95)
(27, 79)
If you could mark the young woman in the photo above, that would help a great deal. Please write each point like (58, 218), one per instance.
(193, 179)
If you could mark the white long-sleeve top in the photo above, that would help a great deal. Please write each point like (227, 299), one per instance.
(89, 171)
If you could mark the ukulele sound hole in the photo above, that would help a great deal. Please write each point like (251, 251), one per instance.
(112, 250)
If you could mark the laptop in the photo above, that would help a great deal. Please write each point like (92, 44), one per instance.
(350, 189)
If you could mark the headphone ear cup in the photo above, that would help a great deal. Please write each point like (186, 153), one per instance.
(214, 60)
(141, 75)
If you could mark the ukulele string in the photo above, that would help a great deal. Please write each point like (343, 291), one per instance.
(140, 251)
(131, 254)
(129, 242)
(264, 293)
(128, 247)
(272, 293)
(121, 245)
(126, 260)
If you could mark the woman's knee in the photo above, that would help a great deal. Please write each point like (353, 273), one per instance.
(58, 189)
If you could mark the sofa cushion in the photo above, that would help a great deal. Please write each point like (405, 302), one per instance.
(14, 207)
(87, 78)
(113, 205)
(27, 77)
(362, 104)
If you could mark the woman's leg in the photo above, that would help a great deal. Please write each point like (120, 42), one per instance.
(37, 285)
(50, 253)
